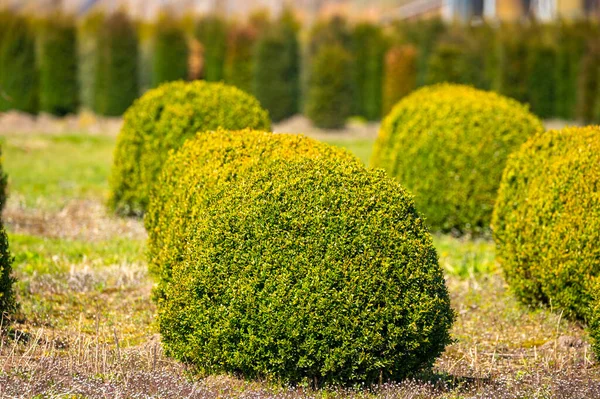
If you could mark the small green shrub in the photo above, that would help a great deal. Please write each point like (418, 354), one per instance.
(200, 168)
(308, 270)
(400, 75)
(57, 65)
(116, 85)
(369, 47)
(239, 62)
(448, 145)
(330, 87)
(547, 219)
(18, 73)
(211, 32)
(162, 120)
(277, 74)
(170, 60)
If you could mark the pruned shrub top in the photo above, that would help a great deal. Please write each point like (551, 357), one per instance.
(547, 219)
(202, 166)
(448, 145)
(162, 120)
(317, 270)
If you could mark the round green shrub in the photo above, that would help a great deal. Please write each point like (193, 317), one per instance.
(330, 87)
(448, 145)
(198, 169)
(57, 64)
(547, 219)
(162, 120)
(316, 270)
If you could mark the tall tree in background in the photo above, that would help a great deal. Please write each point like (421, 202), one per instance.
(171, 51)
(239, 62)
(277, 68)
(211, 32)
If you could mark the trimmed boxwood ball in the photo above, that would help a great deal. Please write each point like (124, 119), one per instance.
(448, 145)
(201, 167)
(317, 270)
(161, 120)
(547, 219)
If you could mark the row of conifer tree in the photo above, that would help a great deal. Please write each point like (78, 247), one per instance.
(329, 71)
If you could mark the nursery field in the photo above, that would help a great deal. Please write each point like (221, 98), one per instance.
(86, 325)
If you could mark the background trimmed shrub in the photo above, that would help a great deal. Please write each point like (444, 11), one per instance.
(171, 52)
(328, 102)
(262, 292)
(448, 145)
(277, 73)
(58, 65)
(589, 83)
(88, 31)
(199, 169)
(116, 85)
(547, 219)
(239, 62)
(512, 79)
(162, 120)
(400, 75)
(211, 32)
(541, 67)
(18, 73)
(369, 47)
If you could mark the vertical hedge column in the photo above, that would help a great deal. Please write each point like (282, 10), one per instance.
(239, 63)
(58, 66)
(400, 75)
(541, 87)
(277, 73)
(18, 74)
(211, 32)
(87, 43)
(116, 71)
(171, 52)
(369, 52)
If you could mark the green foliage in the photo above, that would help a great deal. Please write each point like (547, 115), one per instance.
(448, 145)
(541, 88)
(88, 31)
(400, 75)
(330, 87)
(198, 170)
(3, 183)
(116, 85)
(277, 73)
(18, 73)
(369, 47)
(262, 291)
(547, 219)
(239, 62)
(57, 65)
(211, 32)
(327, 32)
(512, 80)
(7, 295)
(594, 317)
(589, 83)
(161, 121)
(170, 60)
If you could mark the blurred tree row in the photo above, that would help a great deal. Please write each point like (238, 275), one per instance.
(330, 72)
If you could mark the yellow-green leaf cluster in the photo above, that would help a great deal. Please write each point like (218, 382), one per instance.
(160, 121)
(448, 145)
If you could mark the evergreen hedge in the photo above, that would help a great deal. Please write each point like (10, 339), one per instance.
(277, 73)
(171, 52)
(160, 121)
(88, 31)
(239, 62)
(57, 65)
(448, 145)
(400, 75)
(541, 90)
(261, 291)
(328, 102)
(211, 32)
(18, 72)
(116, 85)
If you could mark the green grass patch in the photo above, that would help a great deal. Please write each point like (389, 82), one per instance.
(362, 148)
(46, 171)
(462, 257)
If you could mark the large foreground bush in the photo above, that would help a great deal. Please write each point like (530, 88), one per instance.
(547, 219)
(59, 88)
(161, 121)
(315, 270)
(201, 167)
(448, 145)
